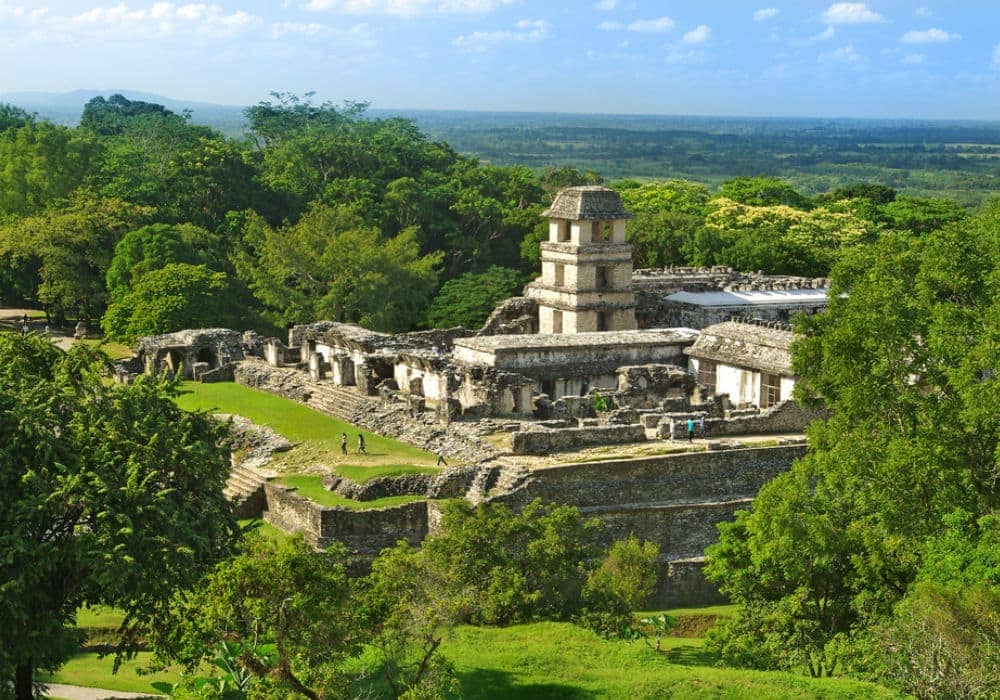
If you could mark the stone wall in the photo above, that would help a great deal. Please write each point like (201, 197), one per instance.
(451, 483)
(363, 532)
(785, 418)
(541, 441)
(675, 501)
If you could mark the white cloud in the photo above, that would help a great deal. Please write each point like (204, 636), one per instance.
(652, 26)
(765, 14)
(913, 59)
(525, 31)
(929, 36)
(698, 35)
(677, 55)
(824, 35)
(407, 8)
(851, 13)
(20, 12)
(996, 56)
(157, 20)
(645, 26)
(845, 54)
(283, 29)
(606, 5)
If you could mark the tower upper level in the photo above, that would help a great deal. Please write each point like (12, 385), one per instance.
(586, 282)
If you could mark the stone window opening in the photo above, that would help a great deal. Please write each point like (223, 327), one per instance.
(559, 275)
(707, 375)
(208, 357)
(563, 232)
(602, 231)
(602, 278)
(557, 321)
(770, 390)
(602, 321)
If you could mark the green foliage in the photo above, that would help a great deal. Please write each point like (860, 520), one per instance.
(112, 496)
(904, 357)
(172, 298)
(156, 246)
(330, 265)
(109, 117)
(12, 117)
(763, 192)
(70, 246)
(668, 216)
(284, 608)
(41, 163)
(469, 299)
(921, 216)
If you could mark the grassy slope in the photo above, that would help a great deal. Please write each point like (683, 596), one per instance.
(315, 435)
(547, 660)
(559, 660)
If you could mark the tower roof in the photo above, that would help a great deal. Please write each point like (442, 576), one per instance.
(587, 203)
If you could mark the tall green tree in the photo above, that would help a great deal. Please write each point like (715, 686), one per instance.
(71, 247)
(172, 298)
(112, 495)
(905, 358)
(330, 265)
(468, 300)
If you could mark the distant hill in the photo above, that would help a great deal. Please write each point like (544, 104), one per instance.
(66, 107)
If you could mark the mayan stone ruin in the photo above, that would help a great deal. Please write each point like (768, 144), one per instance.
(582, 391)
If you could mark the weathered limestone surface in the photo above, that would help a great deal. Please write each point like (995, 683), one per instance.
(450, 483)
(514, 316)
(788, 417)
(365, 532)
(541, 441)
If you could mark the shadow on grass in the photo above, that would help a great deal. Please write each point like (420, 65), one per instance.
(690, 656)
(490, 683)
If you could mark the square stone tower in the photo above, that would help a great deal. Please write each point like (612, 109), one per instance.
(586, 282)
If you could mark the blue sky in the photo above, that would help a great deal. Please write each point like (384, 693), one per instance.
(890, 58)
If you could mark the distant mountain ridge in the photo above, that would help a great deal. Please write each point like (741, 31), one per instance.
(66, 107)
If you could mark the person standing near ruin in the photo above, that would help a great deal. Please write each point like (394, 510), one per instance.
(701, 427)
(361, 444)
(690, 429)
(673, 430)
(343, 443)
(441, 454)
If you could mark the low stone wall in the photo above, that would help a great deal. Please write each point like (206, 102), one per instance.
(451, 483)
(683, 584)
(363, 532)
(684, 477)
(786, 417)
(536, 442)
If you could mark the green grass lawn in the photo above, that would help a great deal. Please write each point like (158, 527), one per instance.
(311, 487)
(541, 660)
(316, 436)
(115, 351)
(559, 660)
(265, 529)
(361, 473)
(93, 672)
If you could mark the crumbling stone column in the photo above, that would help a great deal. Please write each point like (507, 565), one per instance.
(317, 366)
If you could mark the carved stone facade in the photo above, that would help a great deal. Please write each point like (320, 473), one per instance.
(586, 282)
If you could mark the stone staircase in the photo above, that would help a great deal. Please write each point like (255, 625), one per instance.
(343, 402)
(245, 490)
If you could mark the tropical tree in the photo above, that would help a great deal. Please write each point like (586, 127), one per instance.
(330, 265)
(112, 495)
(905, 358)
(469, 299)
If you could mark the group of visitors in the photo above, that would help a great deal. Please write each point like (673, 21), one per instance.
(362, 451)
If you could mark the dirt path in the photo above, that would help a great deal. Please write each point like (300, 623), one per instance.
(76, 692)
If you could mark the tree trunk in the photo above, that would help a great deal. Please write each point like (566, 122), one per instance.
(23, 676)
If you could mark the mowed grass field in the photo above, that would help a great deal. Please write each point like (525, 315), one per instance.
(315, 436)
(545, 660)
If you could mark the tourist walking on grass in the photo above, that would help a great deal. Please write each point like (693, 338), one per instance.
(690, 429)
(343, 443)
(441, 457)
(361, 445)
(701, 430)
